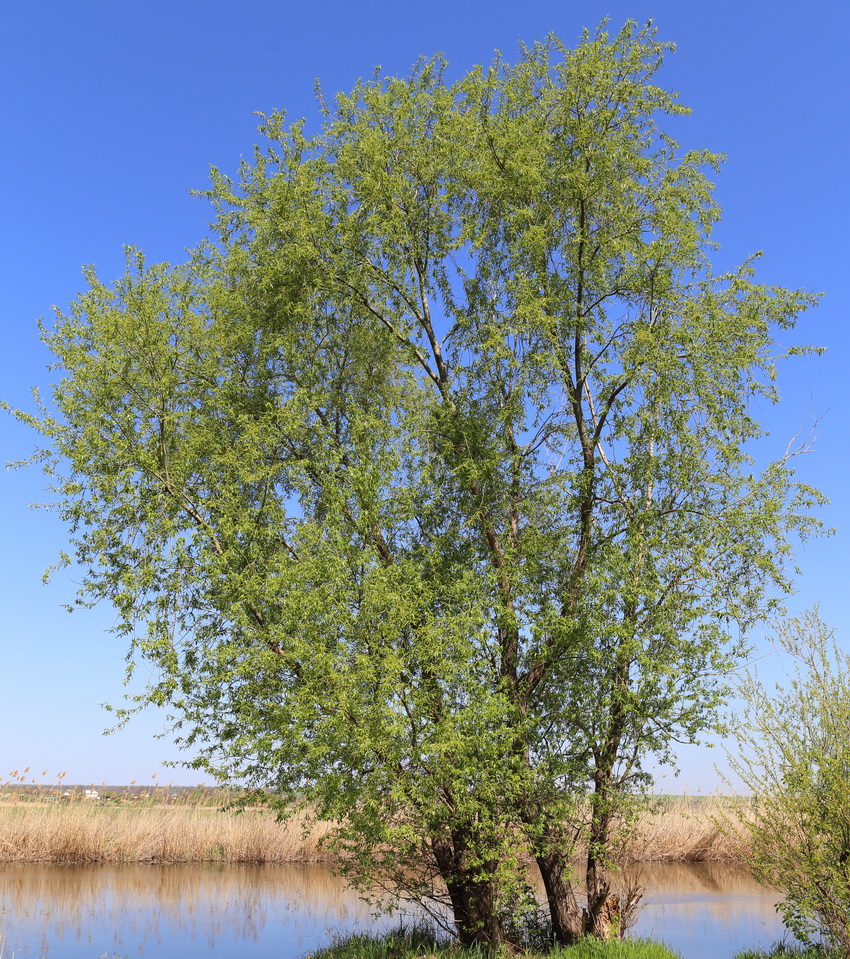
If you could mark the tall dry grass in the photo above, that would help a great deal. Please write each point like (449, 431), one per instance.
(90, 832)
(681, 829)
(38, 829)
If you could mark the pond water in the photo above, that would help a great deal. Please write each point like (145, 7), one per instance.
(707, 910)
(704, 911)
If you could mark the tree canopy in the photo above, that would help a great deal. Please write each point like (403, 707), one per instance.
(424, 482)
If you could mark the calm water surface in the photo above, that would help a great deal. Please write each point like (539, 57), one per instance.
(704, 911)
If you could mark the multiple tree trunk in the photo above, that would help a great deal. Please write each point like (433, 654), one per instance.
(481, 915)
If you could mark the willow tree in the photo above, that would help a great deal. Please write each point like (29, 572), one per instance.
(423, 485)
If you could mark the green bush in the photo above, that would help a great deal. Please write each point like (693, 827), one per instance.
(795, 759)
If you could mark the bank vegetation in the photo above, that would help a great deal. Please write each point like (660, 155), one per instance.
(165, 830)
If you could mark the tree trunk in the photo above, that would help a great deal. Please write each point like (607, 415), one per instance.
(564, 911)
(474, 899)
(602, 916)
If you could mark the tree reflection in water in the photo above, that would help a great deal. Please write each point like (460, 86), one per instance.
(259, 912)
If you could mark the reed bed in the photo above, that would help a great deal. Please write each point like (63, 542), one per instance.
(47, 829)
(680, 829)
(93, 833)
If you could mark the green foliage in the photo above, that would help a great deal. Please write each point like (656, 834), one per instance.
(400, 943)
(414, 942)
(782, 949)
(796, 761)
(423, 485)
(617, 949)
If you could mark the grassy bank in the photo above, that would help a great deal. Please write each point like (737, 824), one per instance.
(172, 828)
(784, 951)
(421, 944)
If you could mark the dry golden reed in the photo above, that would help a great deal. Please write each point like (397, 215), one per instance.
(89, 832)
(47, 829)
(690, 830)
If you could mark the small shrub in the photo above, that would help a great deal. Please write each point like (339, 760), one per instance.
(795, 759)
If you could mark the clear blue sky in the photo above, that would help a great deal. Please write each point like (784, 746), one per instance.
(111, 112)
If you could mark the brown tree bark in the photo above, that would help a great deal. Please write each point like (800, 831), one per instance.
(602, 915)
(473, 893)
(564, 911)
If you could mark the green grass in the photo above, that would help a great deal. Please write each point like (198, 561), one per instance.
(782, 950)
(617, 949)
(420, 943)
